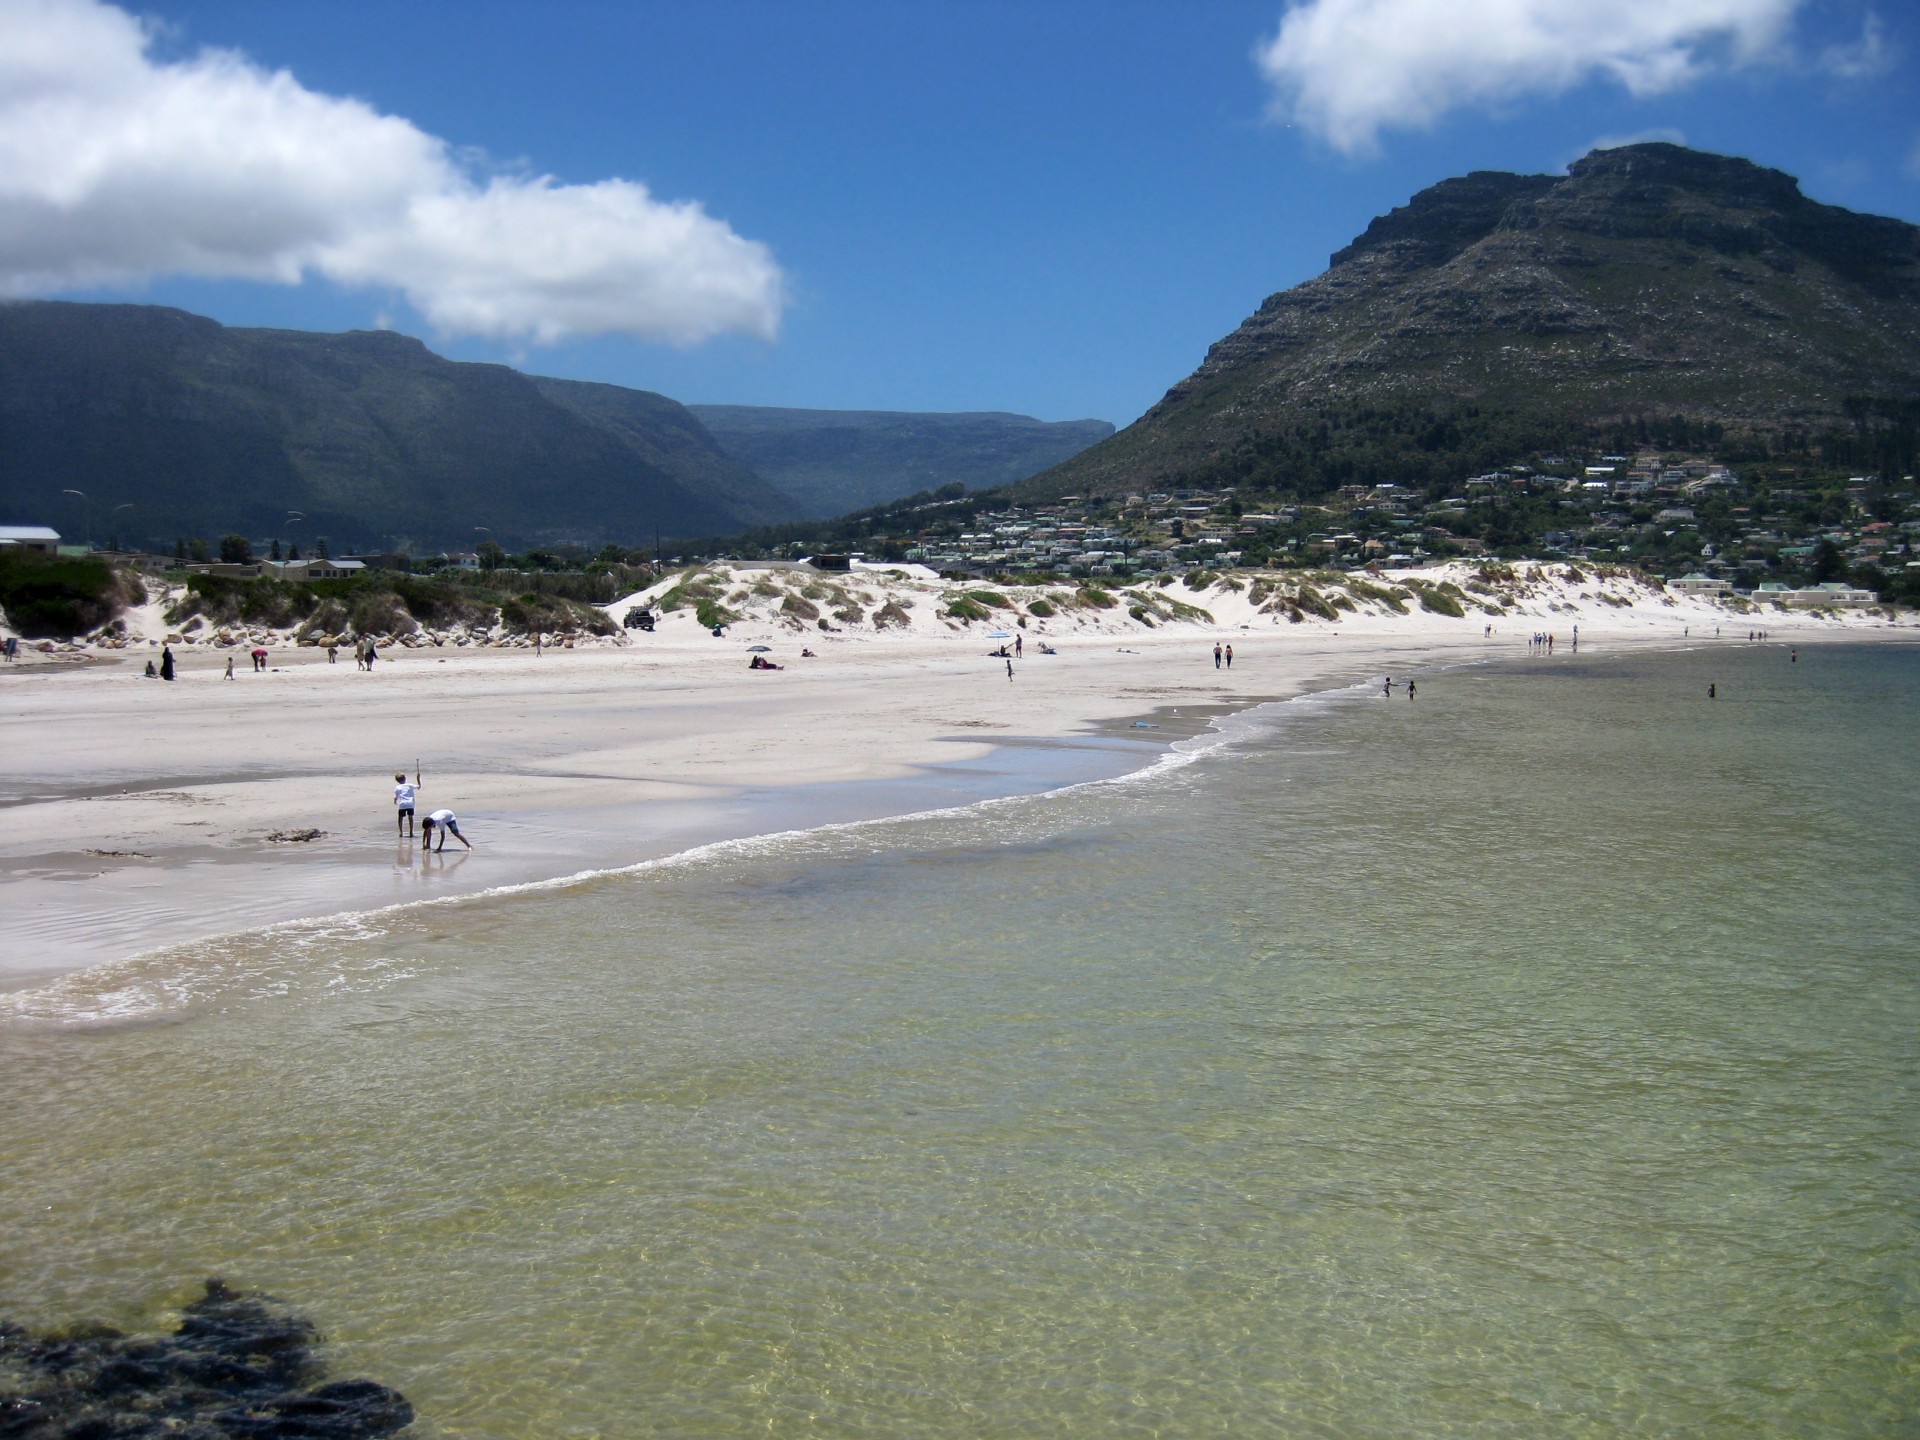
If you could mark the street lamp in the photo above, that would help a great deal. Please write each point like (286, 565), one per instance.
(89, 499)
(292, 515)
(114, 540)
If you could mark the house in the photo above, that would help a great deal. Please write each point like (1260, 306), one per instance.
(1831, 592)
(315, 569)
(30, 537)
(1698, 584)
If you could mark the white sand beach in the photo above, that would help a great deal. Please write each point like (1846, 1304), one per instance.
(139, 813)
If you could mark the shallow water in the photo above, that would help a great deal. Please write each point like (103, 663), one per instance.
(1532, 1058)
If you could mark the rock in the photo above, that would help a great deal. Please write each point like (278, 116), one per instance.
(295, 837)
(236, 1366)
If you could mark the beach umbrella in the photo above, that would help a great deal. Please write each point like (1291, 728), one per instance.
(762, 649)
(999, 635)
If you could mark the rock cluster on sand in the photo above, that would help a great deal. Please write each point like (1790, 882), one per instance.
(237, 1366)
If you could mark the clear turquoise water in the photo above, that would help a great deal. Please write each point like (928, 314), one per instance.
(1536, 1058)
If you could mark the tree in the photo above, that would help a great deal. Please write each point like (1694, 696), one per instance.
(234, 550)
(1828, 563)
(274, 553)
(293, 550)
(491, 555)
(197, 551)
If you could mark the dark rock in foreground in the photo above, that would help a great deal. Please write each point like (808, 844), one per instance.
(237, 1366)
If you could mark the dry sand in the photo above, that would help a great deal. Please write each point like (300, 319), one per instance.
(138, 812)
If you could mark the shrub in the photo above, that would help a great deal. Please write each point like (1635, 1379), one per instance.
(800, 608)
(964, 607)
(51, 597)
(1042, 608)
(990, 597)
(891, 615)
(1095, 598)
(1314, 603)
(1436, 599)
(1141, 613)
(1200, 579)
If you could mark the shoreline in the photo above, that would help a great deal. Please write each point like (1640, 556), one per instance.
(591, 760)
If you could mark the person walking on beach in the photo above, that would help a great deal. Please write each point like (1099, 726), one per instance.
(229, 667)
(1009, 669)
(1018, 648)
(403, 795)
(1386, 686)
(1712, 691)
(1216, 654)
(166, 662)
(372, 655)
(1410, 689)
(1229, 657)
(447, 824)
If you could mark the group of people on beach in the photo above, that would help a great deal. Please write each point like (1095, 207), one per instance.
(1222, 653)
(405, 797)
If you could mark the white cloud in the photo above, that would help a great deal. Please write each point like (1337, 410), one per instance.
(1348, 69)
(1869, 55)
(117, 167)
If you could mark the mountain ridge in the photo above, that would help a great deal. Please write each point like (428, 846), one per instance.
(1494, 315)
(202, 429)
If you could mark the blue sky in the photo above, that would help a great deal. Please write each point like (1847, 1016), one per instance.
(1050, 208)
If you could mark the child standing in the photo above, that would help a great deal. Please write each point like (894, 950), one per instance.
(403, 794)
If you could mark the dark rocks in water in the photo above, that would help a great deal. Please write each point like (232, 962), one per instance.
(237, 1366)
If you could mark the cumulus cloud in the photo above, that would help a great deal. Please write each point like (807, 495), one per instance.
(117, 167)
(1348, 69)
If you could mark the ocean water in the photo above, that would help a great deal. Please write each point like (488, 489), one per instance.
(1537, 1057)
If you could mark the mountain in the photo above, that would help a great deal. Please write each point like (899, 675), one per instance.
(834, 461)
(1652, 294)
(206, 430)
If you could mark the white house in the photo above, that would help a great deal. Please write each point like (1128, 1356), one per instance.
(30, 537)
(1698, 584)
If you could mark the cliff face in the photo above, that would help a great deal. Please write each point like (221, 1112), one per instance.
(203, 430)
(1495, 313)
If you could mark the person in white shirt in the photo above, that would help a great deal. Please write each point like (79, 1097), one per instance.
(403, 794)
(444, 821)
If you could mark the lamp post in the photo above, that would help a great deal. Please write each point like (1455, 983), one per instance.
(292, 516)
(89, 499)
(114, 540)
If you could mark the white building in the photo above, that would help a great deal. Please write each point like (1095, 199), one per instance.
(30, 537)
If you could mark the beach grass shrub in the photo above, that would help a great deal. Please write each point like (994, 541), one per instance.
(891, 616)
(1093, 597)
(1041, 608)
(1311, 601)
(54, 597)
(1437, 599)
(965, 607)
(1142, 614)
(1199, 579)
(990, 597)
(1394, 598)
(800, 608)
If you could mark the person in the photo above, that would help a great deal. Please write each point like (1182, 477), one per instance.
(166, 662)
(1019, 648)
(403, 795)
(760, 662)
(229, 667)
(333, 654)
(1411, 687)
(1794, 654)
(359, 654)
(259, 659)
(446, 822)
(806, 654)
(1009, 669)
(1712, 691)
(1216, 654)
(1229, 657)
(1386, 687)
(372, 655)
(151, 672)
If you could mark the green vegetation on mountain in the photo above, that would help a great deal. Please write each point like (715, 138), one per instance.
(835, 461)
(177, 426)
(1652, 296)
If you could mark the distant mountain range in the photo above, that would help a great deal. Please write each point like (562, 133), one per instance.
(835, 461)
(1653, 294)
(175, 426)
